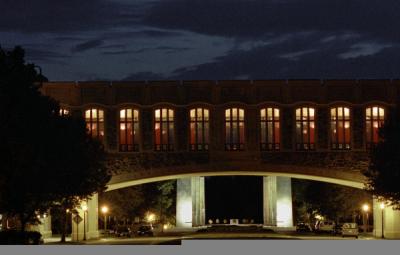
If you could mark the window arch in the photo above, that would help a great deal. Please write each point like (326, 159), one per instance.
(340, 128)
(199, 129)
(94, 118)
(374, 119)
(164, 129)
(305, 128)
(270, 128)
(234, 129)
(129, 129)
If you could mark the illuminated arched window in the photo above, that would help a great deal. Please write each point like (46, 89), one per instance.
(63, 111)
(199, 129)
(270, 128)
(340, 128)
(164, 129)
(234, 129)
(374, 118)
(95, 122)
(128, 129)
(305, 128)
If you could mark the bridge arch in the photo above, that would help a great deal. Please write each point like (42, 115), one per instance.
(130, 180)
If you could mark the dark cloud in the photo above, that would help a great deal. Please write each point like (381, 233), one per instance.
(91, 44)
(303, 59)
(154, 33)
(65, 15)
(113, 46)
(67, 38)
(142, 76)
(118, 52)
(38, 55)
(141, 34)
(257, 39)
(255, 18)
(167, 49)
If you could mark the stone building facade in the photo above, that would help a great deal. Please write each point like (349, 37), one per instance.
(317, 128)
(217, 96)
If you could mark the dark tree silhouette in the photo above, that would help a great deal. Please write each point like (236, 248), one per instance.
(336, 202)
(124, 203)
(47, 159)
(383, 173)
(157, 197)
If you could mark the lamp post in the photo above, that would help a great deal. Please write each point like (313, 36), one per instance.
(104, 210)
(84, 208)
(382, 206)
(365, 208)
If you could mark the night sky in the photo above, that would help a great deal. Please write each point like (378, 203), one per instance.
(205, 39)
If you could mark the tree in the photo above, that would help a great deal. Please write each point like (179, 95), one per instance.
(124, 203)
(157, 197)
(78, 167)
(383, 173)
(47, 159)
(165, 199)
(334, 201)
(24, 114)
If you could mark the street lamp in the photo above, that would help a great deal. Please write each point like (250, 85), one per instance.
(151, 217)
(365, 208)
(382, 206)
(84, 208)
(104, 210)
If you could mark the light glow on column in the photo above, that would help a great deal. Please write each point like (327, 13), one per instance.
(284, 215)
(184, 212)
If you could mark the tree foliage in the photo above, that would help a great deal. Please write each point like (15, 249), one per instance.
(157, 197)
(383, 173)
(336, 202)
(47, 159)
(124, 203)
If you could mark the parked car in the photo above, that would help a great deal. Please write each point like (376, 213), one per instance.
(145, 230)
(338, 229)
(123, 231)
(325, 226)
(350, 229)
(303, 227)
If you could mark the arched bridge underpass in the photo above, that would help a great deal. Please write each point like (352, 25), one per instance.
(333, 167)
(352, 178)
(277, 168)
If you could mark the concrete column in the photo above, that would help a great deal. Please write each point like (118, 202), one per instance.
(284, 211)
(277, 192)
(269, 198)
(391, 221)
(89, 218)
(43, 227)
(183, 203)
(190, 202)
(198, 202)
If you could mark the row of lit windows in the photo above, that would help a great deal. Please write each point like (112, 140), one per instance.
(270, 127)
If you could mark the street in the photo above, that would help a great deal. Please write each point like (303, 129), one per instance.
(177, 239)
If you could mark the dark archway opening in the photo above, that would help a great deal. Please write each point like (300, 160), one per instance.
(234, 197)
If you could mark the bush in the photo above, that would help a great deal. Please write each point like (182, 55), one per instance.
(18, 237)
